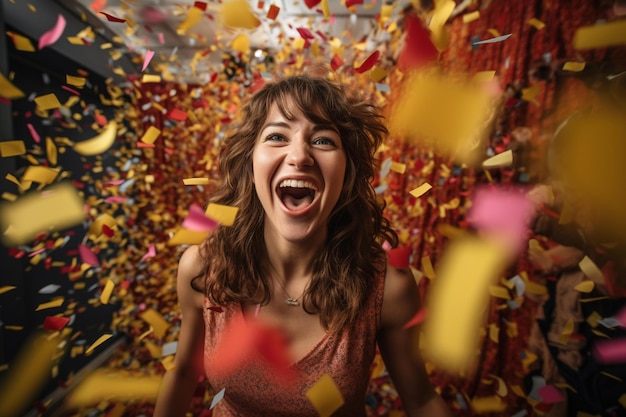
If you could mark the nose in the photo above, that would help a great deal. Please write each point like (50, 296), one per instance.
(300, 154)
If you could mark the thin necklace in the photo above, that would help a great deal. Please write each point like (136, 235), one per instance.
(290, 301)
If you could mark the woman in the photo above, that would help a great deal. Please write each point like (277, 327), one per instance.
(305, 256)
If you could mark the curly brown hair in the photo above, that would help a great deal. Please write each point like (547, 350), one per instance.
(345, 269)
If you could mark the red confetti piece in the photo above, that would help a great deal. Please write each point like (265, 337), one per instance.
(107, 231)
(200, 5)
(145, 145)
(33, 133)
(88, 256)
(55, 323)
(312, 3)
(216, 309)
(350, 3)
(100, 119)
(71, 90)
(272, 13)
(98, 5)
(369, 62)
(336, 63)
(305, 33)
(399, 257)
(177, 114)
(113, 19)
(260, 4)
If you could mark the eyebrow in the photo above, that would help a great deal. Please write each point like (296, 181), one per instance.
(316, 128)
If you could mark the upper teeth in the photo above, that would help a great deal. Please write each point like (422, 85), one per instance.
(297, 184)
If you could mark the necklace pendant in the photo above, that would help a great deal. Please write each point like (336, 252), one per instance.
(293, 302)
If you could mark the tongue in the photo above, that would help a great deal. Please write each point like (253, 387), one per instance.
(294, 203)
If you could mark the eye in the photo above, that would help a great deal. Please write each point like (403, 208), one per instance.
(324, 141)
(275, 137)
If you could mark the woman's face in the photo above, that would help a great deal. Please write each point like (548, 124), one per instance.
(299, 169)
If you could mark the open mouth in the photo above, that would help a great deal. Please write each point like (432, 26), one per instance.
(296, 194)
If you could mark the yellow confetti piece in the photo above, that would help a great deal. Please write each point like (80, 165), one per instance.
(567, 331)
(421, 190)
(499, 292)
(196, 181)
(398, 167)
(21, 43)
(376, 74)
(12, 148)
(470, 17)
(151, 135)
(593, 319)
(75, 81)
(530, 93)
(51, 151)
(107, 291)
(241, 43)
(573, 66)
(517, 390)
(585, 286)
(193, 17)
(47, 102)
(440, 112)
(494, 333)
(590, 269)
(325, 396)
(16, 328)
(8, 90)
(504, 159)
(150, 78)
(494, 32)
(59, 207)
(535, 288)
(168, 363)
(455, 307)
(224, 215)
(427, 268)
(622, 400)
(113, 386)
(483, 76)
(158, 323)
(6, 288)
(40, 174)
(600, 334)
(155, 351)
(237, 14)
(600, 36)
(501, 391)
(536, 23)
(8, 196)
(75, 40)
(483, 405)
(439, 37)
(97, 343)
(50, 304)
(28, 372)
(100, 143)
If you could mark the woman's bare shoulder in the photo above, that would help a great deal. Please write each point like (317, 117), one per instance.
(191, 265)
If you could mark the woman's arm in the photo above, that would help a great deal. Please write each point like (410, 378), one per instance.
(399, 347)
(179, 383)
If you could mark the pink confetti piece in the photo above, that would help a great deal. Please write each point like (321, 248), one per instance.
(88, 256)
(197, 220)
(33, 133)
(53, 34)
(150, 254)
(161, 38)
(503, 214)
(115, 199)
(113, 183)
(36, 252)
(549, 394)
(610, 351)
(147, 59)
(71, 90)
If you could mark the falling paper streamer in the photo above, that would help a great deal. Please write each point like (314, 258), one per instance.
(196, 220)
(53, 34)
(100, 143)
(28, 373)
(59, 207)
(493, 40)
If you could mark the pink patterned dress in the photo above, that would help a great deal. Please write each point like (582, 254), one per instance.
(345, 356)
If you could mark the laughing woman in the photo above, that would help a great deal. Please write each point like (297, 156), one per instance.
(304, 257)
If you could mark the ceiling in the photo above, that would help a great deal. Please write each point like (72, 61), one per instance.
(151, 25)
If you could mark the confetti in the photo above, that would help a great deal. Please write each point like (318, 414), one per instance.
(325, 396)
(51, 304)
(156, 320)
(493, 40)
(237, 14)
(470, 17)
(196, 181)
(100, 143)
(369, 62)
(399, 257)
(503, 159)
(8, 90)
(224, 215)
(421, 190)
(55, 323)
(573, 66)
(119, 386)
(22, 43)
(107, 291)
(601, 35)
(193, 17)
(217, 398)
(536, 23)
(273, 11)
(147, 59)
(12, 148)
(610, 351)
(53, 35)
(59, 207)
(113, 19)
(151, 135)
